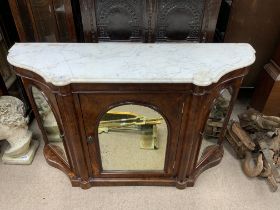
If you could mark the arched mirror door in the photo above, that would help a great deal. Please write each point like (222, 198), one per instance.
(132, 137)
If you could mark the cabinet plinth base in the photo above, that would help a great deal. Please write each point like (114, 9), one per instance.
(211, 157)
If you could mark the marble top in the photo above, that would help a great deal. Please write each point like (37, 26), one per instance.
(65, 63)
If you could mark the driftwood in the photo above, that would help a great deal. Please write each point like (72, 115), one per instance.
(256, 140)
(239, 140)
(254, 121)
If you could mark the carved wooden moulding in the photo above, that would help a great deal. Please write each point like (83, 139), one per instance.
(132, 114)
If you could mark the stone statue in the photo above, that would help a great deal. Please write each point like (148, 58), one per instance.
(14, 129)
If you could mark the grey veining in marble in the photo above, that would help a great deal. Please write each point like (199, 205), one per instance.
(64, 63)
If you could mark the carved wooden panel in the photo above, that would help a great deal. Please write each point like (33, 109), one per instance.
(119, 19)
(150, 20)
(179, 19)
(115, 20)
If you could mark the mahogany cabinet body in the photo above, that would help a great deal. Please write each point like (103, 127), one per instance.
(185, 107)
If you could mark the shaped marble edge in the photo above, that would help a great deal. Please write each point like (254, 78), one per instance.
(197, 63)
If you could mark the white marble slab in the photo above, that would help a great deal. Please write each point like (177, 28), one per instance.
(64, 63)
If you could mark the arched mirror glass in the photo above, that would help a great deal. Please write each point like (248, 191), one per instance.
(132, 137)
(216, 119)
(49, 123)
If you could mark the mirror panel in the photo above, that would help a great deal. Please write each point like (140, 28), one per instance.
(49, 123)
(216, 120)
(132, 137)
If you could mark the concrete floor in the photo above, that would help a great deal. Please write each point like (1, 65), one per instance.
(40, 186)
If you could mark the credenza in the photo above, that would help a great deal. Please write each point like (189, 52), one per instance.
(132, 113)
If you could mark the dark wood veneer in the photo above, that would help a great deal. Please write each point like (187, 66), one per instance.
(185, 108)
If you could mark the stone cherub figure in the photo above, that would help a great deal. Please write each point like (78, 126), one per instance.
(14, 129)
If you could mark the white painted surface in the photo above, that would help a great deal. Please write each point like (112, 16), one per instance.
(64, 63)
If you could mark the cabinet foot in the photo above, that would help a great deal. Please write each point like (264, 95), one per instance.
(181, 185)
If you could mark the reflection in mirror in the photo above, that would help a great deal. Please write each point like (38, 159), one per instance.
(49, 123)
(132, 137)
(216, 120)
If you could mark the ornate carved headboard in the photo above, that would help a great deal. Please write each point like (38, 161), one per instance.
(149, 20)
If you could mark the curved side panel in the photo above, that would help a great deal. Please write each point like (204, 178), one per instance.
(53, 132)
(46, 111)
(201, 103)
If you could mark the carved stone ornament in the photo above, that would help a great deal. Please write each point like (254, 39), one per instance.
(14, 129)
